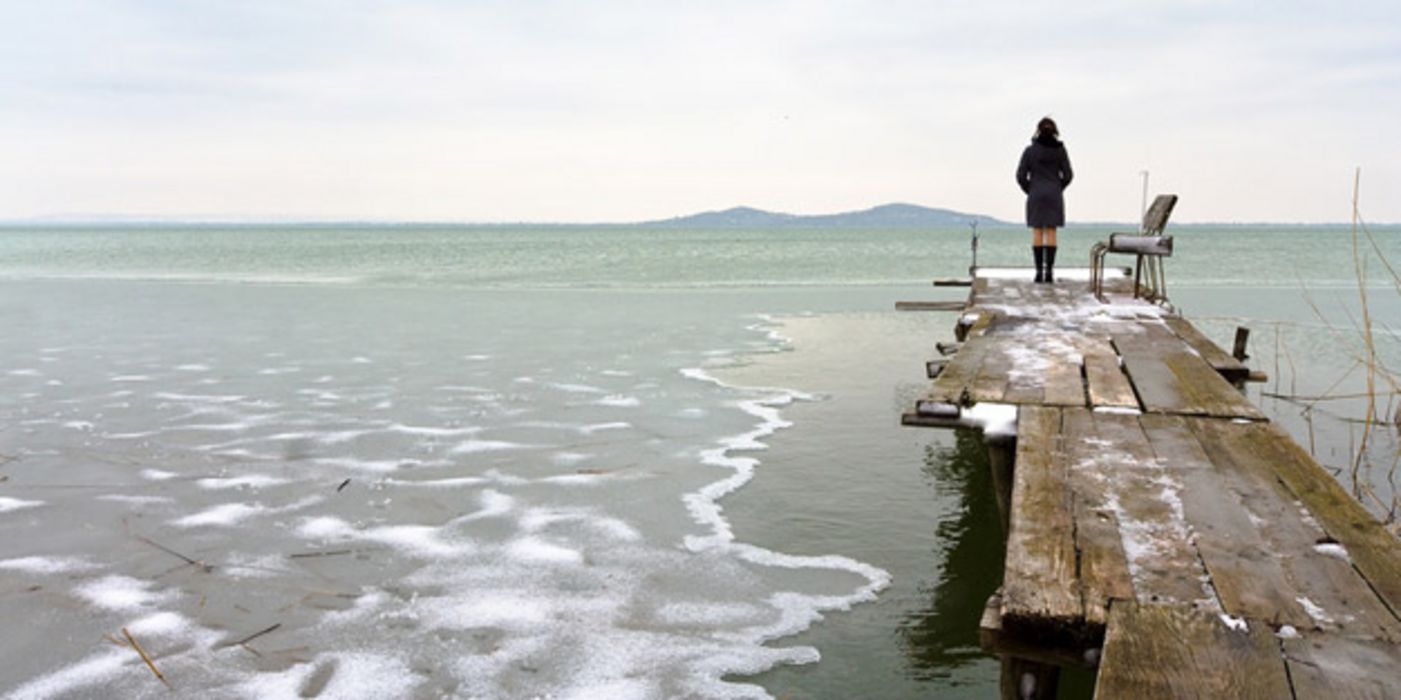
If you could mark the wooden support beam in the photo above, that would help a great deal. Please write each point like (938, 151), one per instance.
(919, 420)
(993, 641)
(934, 367)
(1238, 349)
(1025, 679)
(929, 306)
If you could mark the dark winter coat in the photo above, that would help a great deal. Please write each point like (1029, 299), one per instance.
(1043, 174)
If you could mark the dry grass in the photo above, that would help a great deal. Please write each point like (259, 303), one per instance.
(1379, 401)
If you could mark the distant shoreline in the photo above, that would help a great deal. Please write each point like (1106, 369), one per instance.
(649, 225)
(893, 216)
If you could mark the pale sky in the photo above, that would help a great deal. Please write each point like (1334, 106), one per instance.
(623, 111)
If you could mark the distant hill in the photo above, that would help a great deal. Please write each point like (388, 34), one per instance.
(884, 216)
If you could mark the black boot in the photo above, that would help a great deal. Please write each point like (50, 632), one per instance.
(1050, 263)
(1036, 252)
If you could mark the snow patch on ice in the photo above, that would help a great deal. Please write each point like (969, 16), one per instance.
(94, 670)
(245, 481)
(420, 540)
(221, 515)
(135, 500)
(8, 504)
(576, 388)
(569, 459)
(619, 401)
(475, 446)
(48, 565)
(117, 592)
(537, 550)
(357, 676)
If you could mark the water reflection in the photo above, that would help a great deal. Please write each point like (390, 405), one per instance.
(944, 636)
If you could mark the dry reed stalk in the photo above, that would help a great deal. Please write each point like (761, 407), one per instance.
(145, 657)
(207, 568)
(1360, 271)
(1276, 373)
(1322, 397)
(255, 635)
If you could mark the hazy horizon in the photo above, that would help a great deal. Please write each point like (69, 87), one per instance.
(117, 220)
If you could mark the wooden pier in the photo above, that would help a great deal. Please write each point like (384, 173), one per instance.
(1160, 530)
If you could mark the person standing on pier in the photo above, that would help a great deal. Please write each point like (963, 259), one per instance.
(1043, 174)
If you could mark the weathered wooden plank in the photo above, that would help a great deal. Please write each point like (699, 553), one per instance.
(994, 374)
(1319, 586)
(960, 371)
(1180, 383)
(1230, 369)
(952, 383)
(1162, 651)
(1064, 385)
(1373, 551)
(978, 292)
(1103, 568)
(953, 282)
(1026, 387)
(1106, 383)
(1244, 567)
(1026, 358)
(1172, 378)
(1334, 667)
(993, 641)
(1208, 391)
(1155, 384)
(929, 305)
(1040, 592)
(1147, 500)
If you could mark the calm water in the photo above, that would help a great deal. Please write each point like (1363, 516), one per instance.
(514, 462)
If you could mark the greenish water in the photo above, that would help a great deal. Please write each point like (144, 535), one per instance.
(538, 425)
(629, 258)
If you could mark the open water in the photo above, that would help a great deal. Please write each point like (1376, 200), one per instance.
(561, 462)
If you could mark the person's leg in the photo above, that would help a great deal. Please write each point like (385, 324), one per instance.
(1037, 235)
(1050, 254)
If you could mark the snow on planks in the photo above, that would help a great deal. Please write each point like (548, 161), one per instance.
(1155, 510)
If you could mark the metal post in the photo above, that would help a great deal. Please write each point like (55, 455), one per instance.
(1143, 203)
(974, 225)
